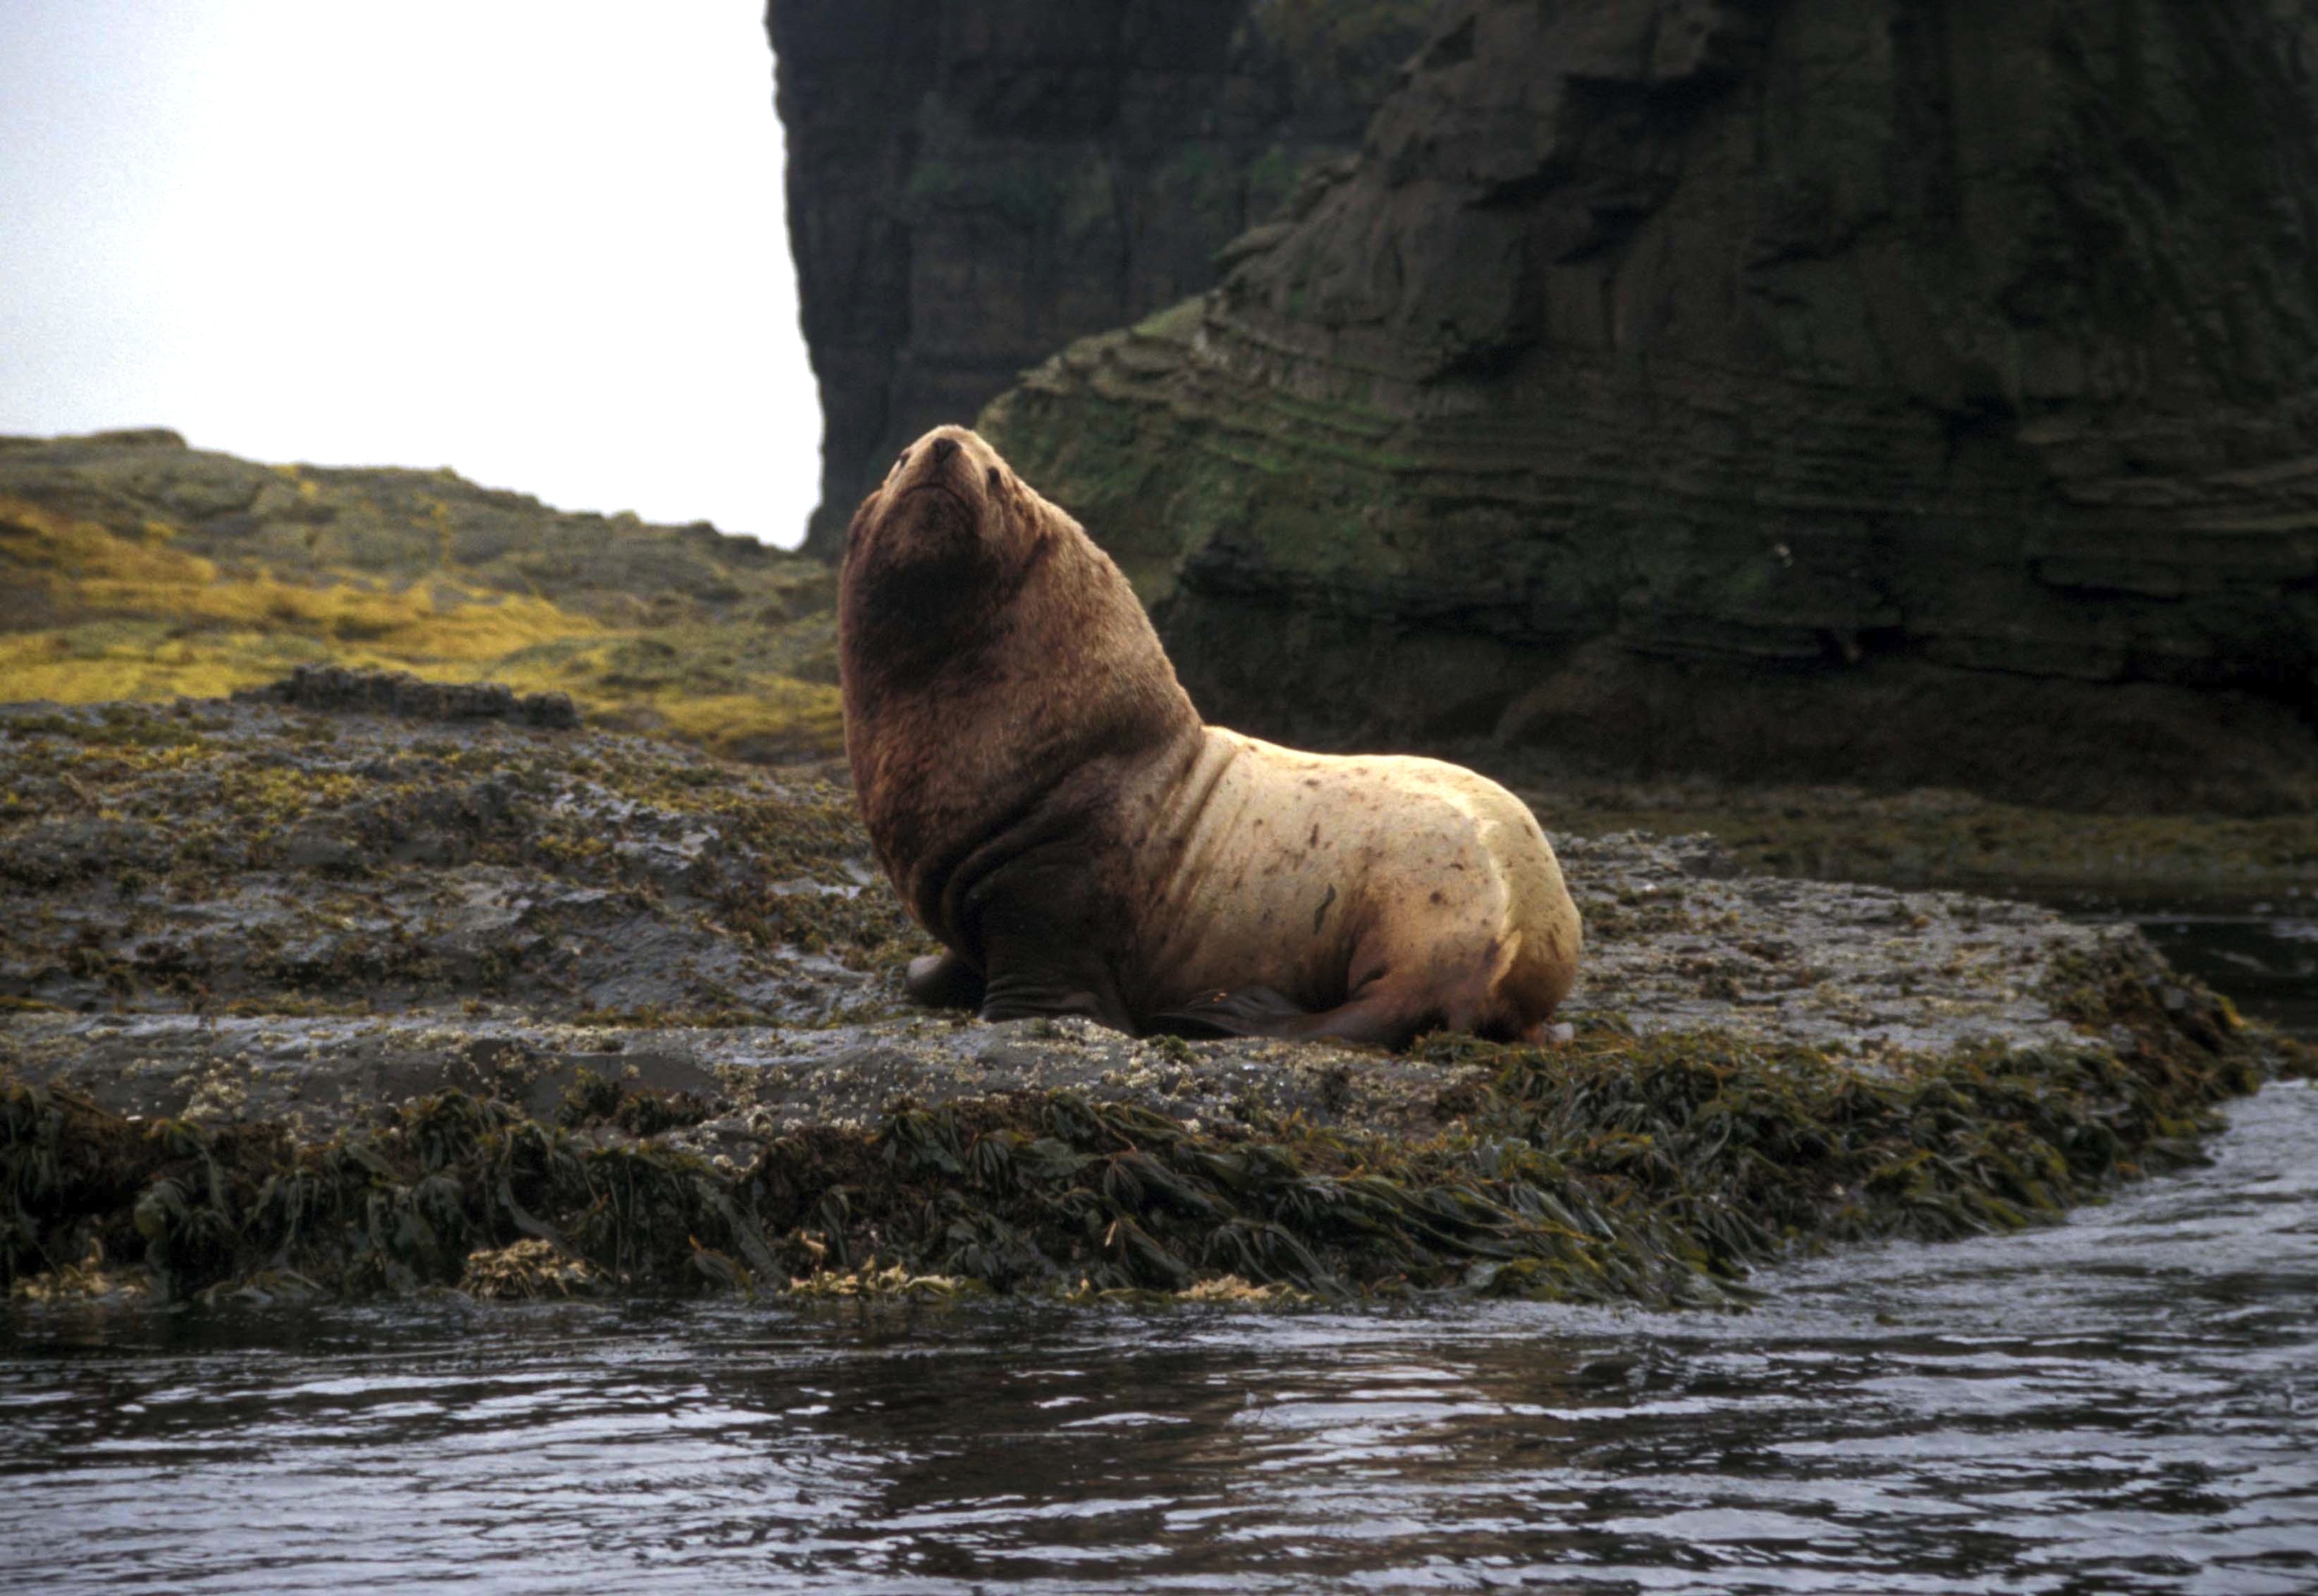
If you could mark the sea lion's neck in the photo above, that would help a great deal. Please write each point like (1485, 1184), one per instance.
(1026, 695)
(899, 625)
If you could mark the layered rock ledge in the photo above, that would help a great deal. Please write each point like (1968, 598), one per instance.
(304, 1002)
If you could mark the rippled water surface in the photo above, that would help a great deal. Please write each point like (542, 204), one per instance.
(2124, 1402)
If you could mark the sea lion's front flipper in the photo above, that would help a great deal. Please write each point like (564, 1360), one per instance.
(1033, 979)
(1250, 1011)
(943, 981)
(1022, 1000)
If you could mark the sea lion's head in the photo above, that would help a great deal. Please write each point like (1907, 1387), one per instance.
(988, 651)
(950, 504)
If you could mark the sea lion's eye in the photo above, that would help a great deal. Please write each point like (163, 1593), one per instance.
(997, 479)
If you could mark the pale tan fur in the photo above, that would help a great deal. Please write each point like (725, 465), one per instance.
(1333, 879)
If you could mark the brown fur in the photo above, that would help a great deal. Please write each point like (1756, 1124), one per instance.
(1042, 794)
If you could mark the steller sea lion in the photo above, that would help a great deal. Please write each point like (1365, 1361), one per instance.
(1050, 807)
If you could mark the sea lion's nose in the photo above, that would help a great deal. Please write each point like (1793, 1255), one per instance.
(943, 449)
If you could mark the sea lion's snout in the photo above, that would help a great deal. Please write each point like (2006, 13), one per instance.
(942, 460)
(936, 502)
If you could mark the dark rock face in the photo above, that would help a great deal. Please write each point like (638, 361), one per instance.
(971, 183)
(1851, 389)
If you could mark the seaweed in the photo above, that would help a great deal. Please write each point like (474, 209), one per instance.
(1658, 1170)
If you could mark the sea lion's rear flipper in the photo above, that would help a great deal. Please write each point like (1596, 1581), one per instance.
(943, 981)
(1379, 1016)
(1250, 1011)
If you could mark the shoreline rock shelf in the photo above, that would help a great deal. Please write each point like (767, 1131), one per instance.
(141, 569)
(303, 1003)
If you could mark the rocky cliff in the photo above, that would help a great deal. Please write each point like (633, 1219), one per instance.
(1810, 387)
(971, 183)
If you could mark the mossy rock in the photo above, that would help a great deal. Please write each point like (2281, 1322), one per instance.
(134, 568)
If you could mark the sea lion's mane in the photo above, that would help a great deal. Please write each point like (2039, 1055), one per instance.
(1002, 673)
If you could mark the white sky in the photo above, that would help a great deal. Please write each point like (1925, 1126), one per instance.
(540, 243)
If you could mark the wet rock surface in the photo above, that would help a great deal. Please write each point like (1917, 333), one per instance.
(220, 858)
(1862, 971)
(240, 911)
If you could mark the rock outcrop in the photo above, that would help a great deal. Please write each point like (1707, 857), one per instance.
(970, 185)
(298, 1003)
(1813, 388)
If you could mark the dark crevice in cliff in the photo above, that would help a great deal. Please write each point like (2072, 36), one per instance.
(972, 185)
